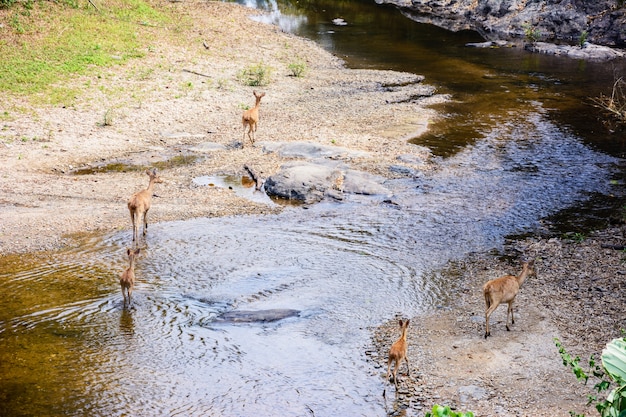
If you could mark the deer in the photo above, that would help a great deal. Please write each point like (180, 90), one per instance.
(503, 290)
(127, 278)
(250, 119)
(139, 204)
(398, 353)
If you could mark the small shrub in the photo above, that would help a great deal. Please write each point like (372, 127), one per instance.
(583, 38)
(297, 68)
(614, 106)
(255, 75)
(108, 118)
(532, 33)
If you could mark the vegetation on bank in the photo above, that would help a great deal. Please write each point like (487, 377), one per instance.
(614, 105)
(45, 43)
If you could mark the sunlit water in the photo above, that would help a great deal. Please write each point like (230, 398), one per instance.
(69, 347)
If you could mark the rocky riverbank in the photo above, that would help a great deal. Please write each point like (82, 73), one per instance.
(600, 22)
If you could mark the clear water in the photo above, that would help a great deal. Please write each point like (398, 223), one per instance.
(69, 347)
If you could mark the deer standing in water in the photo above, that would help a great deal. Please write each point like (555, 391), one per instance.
(250, 119)
(398, 352)
(503, 290)
(139, 204)
(127, 278)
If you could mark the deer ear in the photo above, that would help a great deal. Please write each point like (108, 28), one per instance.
(400, 322)
(128, 251)
(137, 251)
(407, 322)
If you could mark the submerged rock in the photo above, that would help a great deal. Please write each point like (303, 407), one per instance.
(259, 316)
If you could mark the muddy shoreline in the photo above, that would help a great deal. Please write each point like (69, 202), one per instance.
(164, 115)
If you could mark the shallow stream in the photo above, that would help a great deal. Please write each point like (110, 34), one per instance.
(68, 347)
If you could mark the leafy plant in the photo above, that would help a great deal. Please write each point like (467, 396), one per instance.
(612, 371)
(297, 68)
(583, 38)
(532, 33)
(441, 411)
(255, 75)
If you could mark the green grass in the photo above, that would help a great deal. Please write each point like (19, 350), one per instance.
(50, 43)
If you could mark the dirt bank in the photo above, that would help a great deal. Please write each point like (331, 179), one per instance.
(180, 108)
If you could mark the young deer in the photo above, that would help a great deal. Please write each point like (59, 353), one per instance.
(398, 352)
(127, 278)
(139, 204)
(250, 119)
(504, 290)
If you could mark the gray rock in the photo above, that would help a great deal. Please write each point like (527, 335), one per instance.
(311, 182)
(555, 21)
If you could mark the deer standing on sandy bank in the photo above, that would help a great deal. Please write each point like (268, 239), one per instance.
(398, 352)
(139, 204)
(250, 119)
(127, 278)
(503, 290)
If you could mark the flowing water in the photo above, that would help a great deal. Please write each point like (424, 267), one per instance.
(508, 158)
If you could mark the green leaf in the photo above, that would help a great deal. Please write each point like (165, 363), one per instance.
(614, 360)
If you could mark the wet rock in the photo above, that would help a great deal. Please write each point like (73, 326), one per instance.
(587, 51)
(311, 182)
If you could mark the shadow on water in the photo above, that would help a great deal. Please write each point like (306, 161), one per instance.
(508, 157)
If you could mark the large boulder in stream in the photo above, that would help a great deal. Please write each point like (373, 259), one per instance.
(311, 182)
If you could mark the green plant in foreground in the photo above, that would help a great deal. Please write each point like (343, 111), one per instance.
(441, 411)
(255, 75)
(613, 366)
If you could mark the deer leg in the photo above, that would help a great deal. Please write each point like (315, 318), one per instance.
(132, 219)
(145, 222)
(509, 310)
(512, 318)
(395, 373)
(490, 310)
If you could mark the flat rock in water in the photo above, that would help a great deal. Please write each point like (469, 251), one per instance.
(259, 316)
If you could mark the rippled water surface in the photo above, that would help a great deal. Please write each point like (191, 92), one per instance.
(69, 347)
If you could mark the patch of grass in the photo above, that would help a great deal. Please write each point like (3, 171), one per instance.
(55, 41)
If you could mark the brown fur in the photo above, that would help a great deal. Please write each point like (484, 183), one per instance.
(140, 202)
(503, 290)
(398, 352)
(127, 278)
(250, 119)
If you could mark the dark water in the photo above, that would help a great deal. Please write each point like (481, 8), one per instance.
(517, 146)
